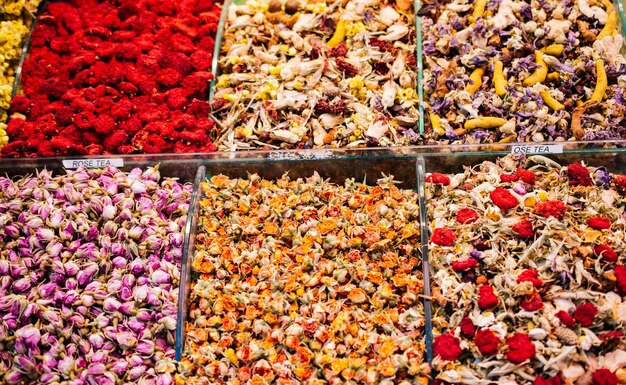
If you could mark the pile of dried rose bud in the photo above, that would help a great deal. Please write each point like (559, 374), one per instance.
(116, 77)
(306, 281)
(89, 276)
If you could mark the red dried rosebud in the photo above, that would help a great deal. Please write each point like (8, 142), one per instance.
(578, 175)
(532, 302)
(115, 140)
(620, 275)
(127, 88)
(547, 381)
(122, 109)
(15, 127)
(91, 137)
(467, 216)
(94, 149)
(468, 329)
(201, 60)
(521, 348)
(438, 178)
(585, 314)
(506, 178)
(20, 104)
(177, 61)
(127, 10)
(551, 209)
(487, 298)
(177, 98)
(84, 120)
(526, 176)
(443, 237)
(524, 229)
(447, 347)
(487, 342)
(104, 124)
(464, 265)
(197, 83)
(503, 199)
(606, 253)
(532, 276)
(599, 223)
(611, 336)
(126, 149)
(620, 181)
(199, 108)
(169, 77)
(132, 125)
(604, 377)
(565, 318)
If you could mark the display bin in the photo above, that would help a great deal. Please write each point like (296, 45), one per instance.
(494, 226)
(336, 170)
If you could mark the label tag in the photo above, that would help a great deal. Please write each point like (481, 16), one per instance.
(541, 149)
(92, 163)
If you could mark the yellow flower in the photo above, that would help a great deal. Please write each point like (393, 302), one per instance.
(223, 81)
(356, 82)
(355, 28)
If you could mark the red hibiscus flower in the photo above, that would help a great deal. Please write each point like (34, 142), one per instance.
(487, 298)
(599, 223)
(532, 302)
(487, 342)
(620, 275)
(467, 216)
(524, 229)
(604, 377)
(438, 178)
(443, 237)
(606, 253)
(565, 318)
(503, 199)
(530, 275)
(447, 347)
(551, 209)
(521, 348)
(464, 265)
(578, 175)
(612, 335)
(468, 329)
(585, 313)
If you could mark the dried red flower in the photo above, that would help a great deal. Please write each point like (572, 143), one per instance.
(464, 265)
(620, 275)
(547, 381)
(551, 209)
(606, 253)
(521, 348)
(487, 342)
(526, 176)
(532, 302)
(604, 377)
(447, 347)
(438, 178)
(611, 335)
(487, 298)
(507, 178)
(585, 314)
(578, 175)
(599, 223)
(468, 329)
(341, 50)
(565, 318)
(443, 237)
(348, 69)
(620, 181)
(524, 229)
(467, 216)
(502, 198)
(530, 275)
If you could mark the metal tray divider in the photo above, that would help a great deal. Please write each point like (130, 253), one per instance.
(217, 48)
(189, 244)
(420, 173)
(417, 5)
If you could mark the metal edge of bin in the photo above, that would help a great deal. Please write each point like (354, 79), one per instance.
(188, 250)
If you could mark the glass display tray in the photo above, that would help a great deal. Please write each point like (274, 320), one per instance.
(411, 169)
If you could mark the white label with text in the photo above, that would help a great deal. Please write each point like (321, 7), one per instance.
(92, 163)
(541, 149)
